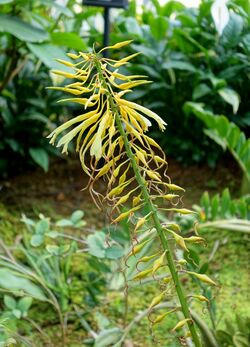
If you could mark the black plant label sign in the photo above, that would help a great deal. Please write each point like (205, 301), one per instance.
(107, 3)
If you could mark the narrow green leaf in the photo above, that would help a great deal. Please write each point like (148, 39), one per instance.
(19, 284)
(179, 65)
(108, 337)
(215, 206)
(205, 202)
(225, 203)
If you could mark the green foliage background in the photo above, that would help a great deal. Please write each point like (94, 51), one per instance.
(182, 54)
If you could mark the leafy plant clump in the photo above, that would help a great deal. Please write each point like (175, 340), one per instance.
(32, 34)
(190, 57)
(112, 132)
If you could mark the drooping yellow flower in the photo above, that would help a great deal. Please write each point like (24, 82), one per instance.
(110, 137)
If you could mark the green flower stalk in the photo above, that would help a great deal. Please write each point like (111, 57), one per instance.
(112, 133)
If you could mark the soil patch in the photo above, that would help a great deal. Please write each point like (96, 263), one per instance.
(60, 190)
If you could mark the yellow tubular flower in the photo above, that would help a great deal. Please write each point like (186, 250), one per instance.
(111, 140)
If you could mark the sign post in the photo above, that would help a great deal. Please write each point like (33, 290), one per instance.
(107, 5)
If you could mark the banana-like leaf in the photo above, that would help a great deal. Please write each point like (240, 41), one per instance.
(225, 133)
(22, 30)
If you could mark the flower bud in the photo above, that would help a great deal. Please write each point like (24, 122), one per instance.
(157, 300)
(203, 278)
(158, 263)
(142, 274)
(181, 324)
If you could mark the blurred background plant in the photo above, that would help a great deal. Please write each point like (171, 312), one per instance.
(189, 58)
(185, 52)
(56, 266)
(32, 35)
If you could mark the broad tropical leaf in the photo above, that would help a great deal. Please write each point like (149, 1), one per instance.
(225, 133)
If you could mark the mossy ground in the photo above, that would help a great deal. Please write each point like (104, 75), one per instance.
(229, 267)
(58, 195)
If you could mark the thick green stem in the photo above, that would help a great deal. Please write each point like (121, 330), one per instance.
(152, 208)
(159, 230)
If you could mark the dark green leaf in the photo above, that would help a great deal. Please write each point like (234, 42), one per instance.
(192, 257)
(203, 269)
(70, 40)
(215, 137)
(219, 130)
(179, 65)
(200, 90)
(48, 54)
(231, 34)
(40, 157)
(205, 202)
(224, 337)
(215, 206)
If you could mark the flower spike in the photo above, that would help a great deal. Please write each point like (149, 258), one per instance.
(111, 140)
